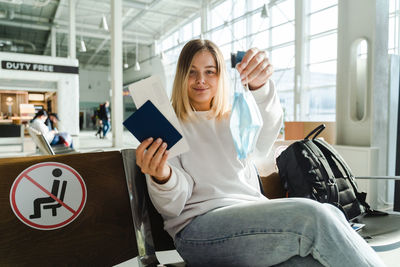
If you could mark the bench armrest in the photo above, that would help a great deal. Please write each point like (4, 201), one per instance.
(378, 177)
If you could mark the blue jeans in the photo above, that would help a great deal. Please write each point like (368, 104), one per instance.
(283, 232)
(58, 139)
(106, 127)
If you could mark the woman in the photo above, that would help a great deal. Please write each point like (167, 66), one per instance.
(211, 201)
(52, 136)
(39, 123)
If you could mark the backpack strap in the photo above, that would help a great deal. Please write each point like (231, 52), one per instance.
(317, 131)
(332, 188)
(361, 196)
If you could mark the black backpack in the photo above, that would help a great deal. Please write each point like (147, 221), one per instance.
(313, 169)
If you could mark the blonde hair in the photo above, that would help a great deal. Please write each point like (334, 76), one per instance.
(180, 99)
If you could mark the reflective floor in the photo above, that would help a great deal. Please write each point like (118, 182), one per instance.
(86, 141)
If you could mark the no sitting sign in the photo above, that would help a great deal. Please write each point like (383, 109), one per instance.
(48, 195)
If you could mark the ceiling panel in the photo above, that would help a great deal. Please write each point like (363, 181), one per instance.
(25, 26)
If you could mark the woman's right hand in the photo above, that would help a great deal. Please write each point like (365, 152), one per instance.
(152, 157)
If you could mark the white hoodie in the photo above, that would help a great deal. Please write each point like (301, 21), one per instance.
(210, 175)
(39, 125)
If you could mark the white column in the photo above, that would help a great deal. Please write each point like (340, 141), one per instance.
(116, 72)
(204, 18)
(68, 104)
(300, 50)
(72, 30)
(371, 25)
(53, 41)
(370, 128)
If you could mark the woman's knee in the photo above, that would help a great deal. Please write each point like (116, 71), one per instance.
(314, 210)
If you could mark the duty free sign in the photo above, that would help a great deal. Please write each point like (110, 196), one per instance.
(29, 66)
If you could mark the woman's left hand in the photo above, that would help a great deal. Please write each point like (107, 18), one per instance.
(255, 68)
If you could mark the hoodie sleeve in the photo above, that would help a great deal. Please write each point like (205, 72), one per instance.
(272, 114)
(43, 129)
(170, 198)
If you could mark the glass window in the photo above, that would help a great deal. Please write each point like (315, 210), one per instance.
(175, 38)
(321, 104)
(258, 23)
(196, 27)
(284, 79)
(221, 13)
(319, 92)
(168, 43)
(282, 34)
(240, 45)
(321, 74)
(283, 58)
(187, 32)
(260, 40)
(222, 36)
(239, 8)
(323, 48)
(392, 6)
(324, 21)
(232, 73)
(287, 102)
(226, 51)
(257, 3)
(392, 35)
(362, 49)
(393, 42)
(318, 4)
(276, 35)
(170, 56)
(239, 29)
(282, 12)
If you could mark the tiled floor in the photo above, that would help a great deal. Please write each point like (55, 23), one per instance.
(87, 141)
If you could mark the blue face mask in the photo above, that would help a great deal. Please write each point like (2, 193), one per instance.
(245, 120)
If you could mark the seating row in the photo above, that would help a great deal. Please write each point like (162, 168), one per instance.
(93, 209)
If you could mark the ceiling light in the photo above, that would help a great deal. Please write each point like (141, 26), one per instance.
(162, 56)
(264, 12)
(126, 65)
(82, 47)
(103, 23)
(3, 14)
(11, 14)
(137, 66)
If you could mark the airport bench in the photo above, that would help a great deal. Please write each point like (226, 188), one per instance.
(44, 146)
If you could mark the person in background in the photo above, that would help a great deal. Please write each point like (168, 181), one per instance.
(211, 201)
(105, 116)
(39, 123)
(98, 122)
(52, 121)
(52, 135)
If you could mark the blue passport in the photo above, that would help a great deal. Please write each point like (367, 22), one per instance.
(148, 121)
